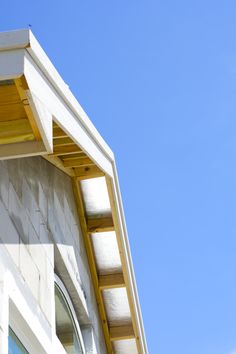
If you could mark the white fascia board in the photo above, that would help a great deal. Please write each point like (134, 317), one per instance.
(14, 39)
(20, 295)
(11, 64)
(41, 88)
(128, 258)
(44, 120)
(55, 79)
(75, 122)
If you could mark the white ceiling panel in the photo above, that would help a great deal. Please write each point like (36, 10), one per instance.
(117, 306)
(127, 346)
(106, 252)
(96, 198)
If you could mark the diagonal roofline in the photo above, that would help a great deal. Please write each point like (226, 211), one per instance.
(45, 95)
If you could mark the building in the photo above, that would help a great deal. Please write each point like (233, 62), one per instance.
(66, 278)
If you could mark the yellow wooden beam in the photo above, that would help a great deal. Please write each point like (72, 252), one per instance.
(88, 172)
(22, 87)
(121, 332)
(73, 156)
(11, 106)
(100, 224)
(65, 150)
(62, 141)
(110, 281)
(92, 264)
(79, 161)
(14, 131)
(58, 132)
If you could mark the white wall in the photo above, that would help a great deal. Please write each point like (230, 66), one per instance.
(40, 232)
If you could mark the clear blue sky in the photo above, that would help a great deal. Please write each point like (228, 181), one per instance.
(158, 79)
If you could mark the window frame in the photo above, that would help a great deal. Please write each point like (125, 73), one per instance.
(65, 295)
(19, 326)
(16, 335)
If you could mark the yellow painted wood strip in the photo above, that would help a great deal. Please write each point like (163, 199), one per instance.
(9, 94)
(58, 133)
(22, 87)
(121, 332)
(70, 157)
(12, 112)
(15, 131)
(100, 224)
(110, 281)
(80, 161)
(19, 138)
(11, 107)
(65, 150)
(15, 126)
(63, 141)
(88, 172)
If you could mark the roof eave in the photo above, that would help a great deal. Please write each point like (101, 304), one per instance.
(35, 65)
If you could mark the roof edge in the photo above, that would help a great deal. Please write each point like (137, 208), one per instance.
(25, 39)
(44, 63)
(16, 39)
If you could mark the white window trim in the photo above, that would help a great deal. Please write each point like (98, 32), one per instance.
(21, 336)
(21, 329)
(65, 294)
(20, 311)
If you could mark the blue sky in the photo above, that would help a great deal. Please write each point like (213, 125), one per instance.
(158, 79)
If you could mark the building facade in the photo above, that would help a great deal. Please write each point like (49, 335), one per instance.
(66, 277)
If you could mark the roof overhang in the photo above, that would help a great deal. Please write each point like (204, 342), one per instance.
(40, 116)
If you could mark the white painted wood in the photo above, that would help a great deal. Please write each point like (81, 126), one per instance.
(23, 331)
(96, 198)
(11, 64)
(4, 313)
(63, 250)
(16, 150)
(125, 346)
(43, 119)
(14, 39)
(117, 306)
(44, 63)
(19, 295)
(128, 259)
(106, 252)
(63, 115)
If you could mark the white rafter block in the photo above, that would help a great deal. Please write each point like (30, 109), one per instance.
(43, 119)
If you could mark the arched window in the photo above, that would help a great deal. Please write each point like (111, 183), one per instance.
(67, 326)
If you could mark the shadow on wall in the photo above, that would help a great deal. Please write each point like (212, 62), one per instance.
(40, 229)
